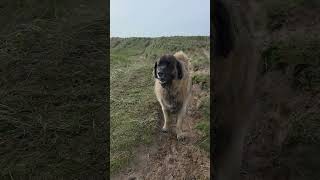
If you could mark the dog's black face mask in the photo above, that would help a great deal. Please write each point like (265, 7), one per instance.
(167, 69)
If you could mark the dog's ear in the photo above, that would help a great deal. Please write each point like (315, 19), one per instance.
(155, 70)
(179, 70)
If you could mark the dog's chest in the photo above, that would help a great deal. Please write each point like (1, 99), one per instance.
(172, 101)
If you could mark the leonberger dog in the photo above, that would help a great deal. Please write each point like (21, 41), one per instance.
(173, 88)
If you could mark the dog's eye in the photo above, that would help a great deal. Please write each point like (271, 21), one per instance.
(162, 67)
(163, 64)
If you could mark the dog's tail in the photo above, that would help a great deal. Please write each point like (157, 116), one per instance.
(180, 55)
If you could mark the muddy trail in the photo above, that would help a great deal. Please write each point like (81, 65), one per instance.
(168, 158)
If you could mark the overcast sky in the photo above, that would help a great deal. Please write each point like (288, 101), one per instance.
(154, 18)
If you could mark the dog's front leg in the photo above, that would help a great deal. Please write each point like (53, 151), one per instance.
(166, 120)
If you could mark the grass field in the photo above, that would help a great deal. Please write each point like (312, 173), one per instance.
(53, 75)
(133, 103)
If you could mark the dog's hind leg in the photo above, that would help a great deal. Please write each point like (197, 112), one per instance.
(180, 117)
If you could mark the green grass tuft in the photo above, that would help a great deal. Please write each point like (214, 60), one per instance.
(292, 51)
(202, 79)
(204, 125)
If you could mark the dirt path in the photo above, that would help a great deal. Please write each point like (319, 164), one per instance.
(169, 159)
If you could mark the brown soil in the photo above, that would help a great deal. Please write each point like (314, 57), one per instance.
(168, 158)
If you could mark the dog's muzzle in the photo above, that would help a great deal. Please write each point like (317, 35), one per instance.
(162, 81)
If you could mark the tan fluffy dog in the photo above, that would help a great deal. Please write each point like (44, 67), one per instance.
(173, 88)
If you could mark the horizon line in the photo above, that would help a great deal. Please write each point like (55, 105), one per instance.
(159, 36)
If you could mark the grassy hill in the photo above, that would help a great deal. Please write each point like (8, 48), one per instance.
(134, 108)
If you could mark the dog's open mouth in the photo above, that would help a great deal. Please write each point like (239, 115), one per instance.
(162, 81)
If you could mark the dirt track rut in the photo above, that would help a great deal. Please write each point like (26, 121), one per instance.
(168, 159)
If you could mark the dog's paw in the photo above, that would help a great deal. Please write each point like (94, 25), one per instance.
(164, 130)
(181, 137)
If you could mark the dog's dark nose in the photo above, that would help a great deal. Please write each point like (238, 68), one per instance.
(160, 74)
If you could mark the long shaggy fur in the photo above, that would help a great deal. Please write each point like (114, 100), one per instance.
(175, 97)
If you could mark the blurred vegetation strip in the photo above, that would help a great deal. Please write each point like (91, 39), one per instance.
(299, 57)
(53, 78)
(281, 14)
